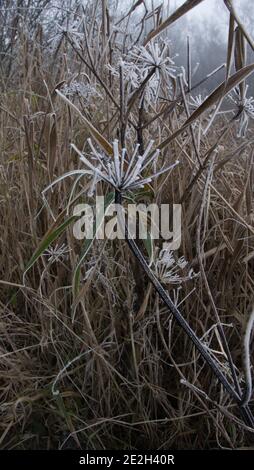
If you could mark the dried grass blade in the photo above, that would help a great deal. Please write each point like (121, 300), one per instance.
(217, 94)
(187, 6)
(101, 141)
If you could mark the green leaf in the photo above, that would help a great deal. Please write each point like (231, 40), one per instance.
(148, 242)
(50, 237)
(88, 243)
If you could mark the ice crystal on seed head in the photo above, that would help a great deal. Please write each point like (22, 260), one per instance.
(121, 172)
(246, 109)
(153, 55)
(72, 30)
(85, 90)
(170, 270)
(56, 253)
(141, 59)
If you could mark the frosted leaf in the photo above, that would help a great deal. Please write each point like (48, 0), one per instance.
(122, 172)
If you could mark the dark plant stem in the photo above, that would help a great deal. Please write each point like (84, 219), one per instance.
(139, 127)
(122, 107)
(244, 410)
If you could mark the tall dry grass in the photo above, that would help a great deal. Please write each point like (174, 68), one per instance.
(126, 375)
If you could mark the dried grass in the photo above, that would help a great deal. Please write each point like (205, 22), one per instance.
(122, 375)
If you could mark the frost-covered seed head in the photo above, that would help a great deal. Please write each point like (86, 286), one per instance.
(170, 270)
(245, 106)
(124, 174)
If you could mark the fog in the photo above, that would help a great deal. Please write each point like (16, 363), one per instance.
(208, 16)
(207, 27)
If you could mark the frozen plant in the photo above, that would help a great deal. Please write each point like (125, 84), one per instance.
(150, 62)
(245, 107)
(121, 172)
(151, 91)
(131, 73)
(153, 55)
(196, 101)
(84, 90)
(56, 253)
(171, 271)
(72, 30)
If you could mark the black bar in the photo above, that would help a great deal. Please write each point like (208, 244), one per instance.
(108, 459)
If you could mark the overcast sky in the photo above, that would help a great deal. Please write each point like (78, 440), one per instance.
(215, 11)
(207, 26)
(209, 13)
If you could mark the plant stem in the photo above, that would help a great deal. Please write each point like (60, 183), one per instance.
(245, 411)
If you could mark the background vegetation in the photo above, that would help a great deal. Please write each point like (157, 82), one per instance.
(127, 376)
